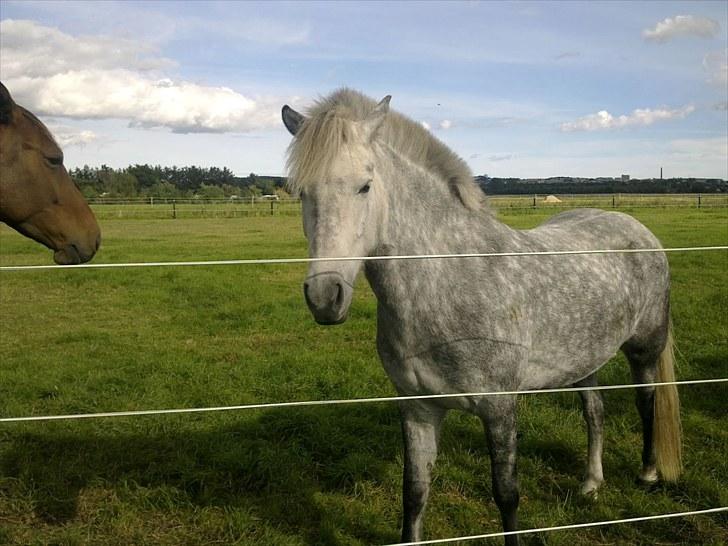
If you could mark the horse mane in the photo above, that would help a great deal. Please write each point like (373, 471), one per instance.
(329, 125)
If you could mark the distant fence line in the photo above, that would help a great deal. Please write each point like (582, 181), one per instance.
(160, 207)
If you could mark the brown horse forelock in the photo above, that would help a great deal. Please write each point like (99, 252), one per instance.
(40, 199)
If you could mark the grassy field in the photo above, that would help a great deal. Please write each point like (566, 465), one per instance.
(109, 340)
(151, 208)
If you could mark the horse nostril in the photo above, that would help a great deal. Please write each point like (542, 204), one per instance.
(339, 294)
(305, 293)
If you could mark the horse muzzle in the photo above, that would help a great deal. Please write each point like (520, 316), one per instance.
(76, 253)
(328, 296)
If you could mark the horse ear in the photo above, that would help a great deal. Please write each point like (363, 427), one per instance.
(374, 120)
(6, 105)
(292, 119)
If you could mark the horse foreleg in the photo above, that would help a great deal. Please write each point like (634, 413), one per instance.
(499, 419)
(421, 425)
(593, 410)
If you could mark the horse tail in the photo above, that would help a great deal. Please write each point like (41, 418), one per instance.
(667, 429)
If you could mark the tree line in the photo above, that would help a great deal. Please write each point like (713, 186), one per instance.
(567, 185)
(173, 182)
(220, 183)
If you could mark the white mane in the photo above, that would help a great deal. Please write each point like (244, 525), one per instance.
(329, 125)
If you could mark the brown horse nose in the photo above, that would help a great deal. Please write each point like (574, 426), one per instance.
(78, 251)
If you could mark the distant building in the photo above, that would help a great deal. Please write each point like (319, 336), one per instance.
(625, 178)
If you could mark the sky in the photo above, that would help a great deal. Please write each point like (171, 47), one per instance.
(522, 89)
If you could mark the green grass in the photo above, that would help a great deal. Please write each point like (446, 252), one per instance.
(110, 340)
(162, 209)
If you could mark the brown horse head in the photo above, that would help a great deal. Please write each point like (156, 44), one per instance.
(37, 197)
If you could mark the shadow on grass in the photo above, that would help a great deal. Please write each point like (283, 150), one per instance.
(272, 465)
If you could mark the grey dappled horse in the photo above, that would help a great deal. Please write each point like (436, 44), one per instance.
(374, 183)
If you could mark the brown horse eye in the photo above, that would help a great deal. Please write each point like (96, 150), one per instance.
(56, 161)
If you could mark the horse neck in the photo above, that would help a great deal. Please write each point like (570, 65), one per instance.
(424, 216)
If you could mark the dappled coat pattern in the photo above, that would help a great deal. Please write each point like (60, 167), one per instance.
(376, 183)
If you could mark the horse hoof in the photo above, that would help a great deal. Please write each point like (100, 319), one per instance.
(648, 485)
(590, 490)
(592, 495)
(647, 478)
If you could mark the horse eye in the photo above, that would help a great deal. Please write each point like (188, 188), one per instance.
(365, 188)
(56, 161)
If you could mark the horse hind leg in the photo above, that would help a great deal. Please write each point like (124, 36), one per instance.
(658, 407)
(593, 410)
(644, 370)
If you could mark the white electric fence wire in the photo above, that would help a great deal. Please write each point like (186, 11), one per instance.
(273, 261)
(348, 401)
(565, 527)
(393, 398)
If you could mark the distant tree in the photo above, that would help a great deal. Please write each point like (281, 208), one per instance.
(282, 193)
(146, 176)
(229, 190)
(206, 191)
(89, 188)
(250, 191)
(266, 185)
(119, 183)
(164, 190)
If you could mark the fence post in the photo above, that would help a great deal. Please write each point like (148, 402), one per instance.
(698, 200)
(613, 201)
(534, 201)
(271, 207)
(174, 208)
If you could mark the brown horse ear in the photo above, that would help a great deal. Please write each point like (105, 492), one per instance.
(292, 119)
(6, 105)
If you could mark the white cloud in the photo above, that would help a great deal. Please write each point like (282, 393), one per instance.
(55, 74)
(68, 137)
(645, 116)
(445, 124)
(33, 50)
(567, 55)
(500, 157)
(682, 25)
(425, 125)
(145, 102)
(252, 30)
(715, 64)
(701, 148)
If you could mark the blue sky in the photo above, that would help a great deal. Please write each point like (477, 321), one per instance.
(527, 89)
